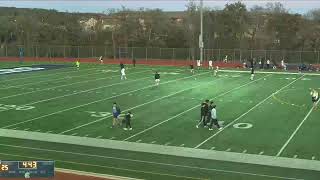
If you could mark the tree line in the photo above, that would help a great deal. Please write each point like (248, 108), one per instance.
(233, 27)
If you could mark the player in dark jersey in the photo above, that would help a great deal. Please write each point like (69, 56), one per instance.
(252, 74)
(127, 118)
(157, 78)
(134, 62)
(204, 114)
(191, 68)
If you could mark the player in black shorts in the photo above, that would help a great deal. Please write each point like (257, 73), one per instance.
(191, 68)
(204, 114)
(127, 119)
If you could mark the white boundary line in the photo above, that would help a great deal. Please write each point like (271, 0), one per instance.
(232, 122)
(183, 112)
(145, 162)
(90, 174)
(268, 72)
(98, 120)
(68, 84)
(49, 80)
(45, 75)
(295, 131)
(82, 105)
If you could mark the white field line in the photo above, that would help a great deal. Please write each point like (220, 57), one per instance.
(82, 105)
(90, 174)
(45, 75)
(49, 80)
(183, 112)
(143, 162)
(295, 131)
(98, 120)
(63, 85)
(255, 106)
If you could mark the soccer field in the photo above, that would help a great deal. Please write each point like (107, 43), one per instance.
(64, 114)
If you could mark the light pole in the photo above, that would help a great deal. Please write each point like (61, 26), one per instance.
(201, 32)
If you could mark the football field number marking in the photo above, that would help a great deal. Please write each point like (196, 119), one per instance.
(242, 125)
(15, 107)
(98, 114)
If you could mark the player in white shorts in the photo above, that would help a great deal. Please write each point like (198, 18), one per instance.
(123, 74)
(283, 65)
(157, 78)
(210, 64)
(198, 63)
(315, 97)
(215, 73)
(101, 60)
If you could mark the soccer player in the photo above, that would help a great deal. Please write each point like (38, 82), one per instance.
(127, 118)
(252, 74)
(210, 64)
(225, 59)
(214, 119)
(123, 74)
(268, 64)
(157, 78)
(283, 65)
(204, 114)
(198, 64)
(116, 113)
(315, 97)
(134, 62)
(216, 71)
(101, 60)
(191, 68)
(78, 64)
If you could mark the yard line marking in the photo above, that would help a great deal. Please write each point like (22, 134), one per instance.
(98, 137)
(74, 134)
(112, 138)
(244, 151)
(295, 156)
(166, 144)
(50, 80)
(153, 142)
(98, 120)
(38, 130)
(15, 128)
(183, 112)
(146, 162)
(49, 132)
(296, 130)
(181, 145)
(255, 106)
(229, 149)
(260, 153)
(26, 129)
(68, 84)
(313, 158)
(139, 140)
(86, 135)
(212, 148)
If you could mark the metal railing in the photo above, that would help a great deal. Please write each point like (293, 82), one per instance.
(155, 53)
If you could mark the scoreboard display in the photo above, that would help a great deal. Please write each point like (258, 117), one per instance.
(26, 169)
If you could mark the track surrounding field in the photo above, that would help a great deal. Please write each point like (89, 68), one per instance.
(271, 116)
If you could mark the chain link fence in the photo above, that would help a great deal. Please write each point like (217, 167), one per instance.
(155, 53)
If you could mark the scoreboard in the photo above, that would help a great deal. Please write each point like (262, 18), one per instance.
(26, 169)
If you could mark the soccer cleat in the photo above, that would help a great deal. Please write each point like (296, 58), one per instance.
(210, 129)
(205, 126)
(125, 129)
(197, 126)
(130, 129)
(220, 129)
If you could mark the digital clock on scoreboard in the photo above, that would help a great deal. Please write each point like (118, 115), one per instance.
(26, 169)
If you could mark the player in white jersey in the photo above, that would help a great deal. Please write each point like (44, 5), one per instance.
(225, 59)
(215, 73)
(210, 64)
(101, 60)
(315, 97)
(123, 74)
(198, 64)
(283, 65)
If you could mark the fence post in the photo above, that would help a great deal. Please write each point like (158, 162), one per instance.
(64, 51)
(219, 56)
(300, 57)
(6, 50)
(251, 53)
(318, 58)
(92, 52)
(234, 55)
(173, 56)
(146, 53)
(265, 55)
(240, 55)
(78, 51)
